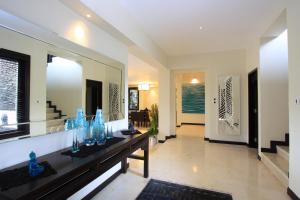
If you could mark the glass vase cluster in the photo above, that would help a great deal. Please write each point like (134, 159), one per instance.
(78, 126)
(91, 132)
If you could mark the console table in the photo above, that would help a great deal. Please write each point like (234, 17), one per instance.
(75, 173)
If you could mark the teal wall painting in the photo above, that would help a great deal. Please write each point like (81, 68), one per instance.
(193, 98)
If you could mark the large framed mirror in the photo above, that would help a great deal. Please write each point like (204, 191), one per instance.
(42, 85)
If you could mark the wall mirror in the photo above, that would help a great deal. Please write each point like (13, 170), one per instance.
(42, 85)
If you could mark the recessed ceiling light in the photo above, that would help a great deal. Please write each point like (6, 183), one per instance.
(88, 15)
(201, 28)
(79, 32)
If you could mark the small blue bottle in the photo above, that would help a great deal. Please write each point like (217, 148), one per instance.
(34, 168)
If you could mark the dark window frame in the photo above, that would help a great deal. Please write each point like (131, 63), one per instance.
(23, 92)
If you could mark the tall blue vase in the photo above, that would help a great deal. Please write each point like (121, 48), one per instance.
(80, 123)
(71, 125)
(99, 128)
(88, 138)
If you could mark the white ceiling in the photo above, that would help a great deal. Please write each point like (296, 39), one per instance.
(139, 72)
(174, 25)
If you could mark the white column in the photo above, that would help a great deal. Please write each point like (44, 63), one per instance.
(164, 103)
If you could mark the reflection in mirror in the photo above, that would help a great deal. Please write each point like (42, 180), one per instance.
(93, 96)
(14, 92)
(64, 90)
(42, 85)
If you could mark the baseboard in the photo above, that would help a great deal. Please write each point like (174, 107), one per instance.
(225, 142)
(195, 124)
(274, 143)
(167, 138)
(267, 150)
(252, 147)
(292, 194)
(170, 137)
(102, 186)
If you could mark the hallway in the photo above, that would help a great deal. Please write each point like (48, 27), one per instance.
(190, 160)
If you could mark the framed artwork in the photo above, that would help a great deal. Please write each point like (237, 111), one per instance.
(114, 101)
(133, 98)
(229, 105)
(193, 98)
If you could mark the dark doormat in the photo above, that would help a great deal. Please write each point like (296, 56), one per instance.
(161, 190)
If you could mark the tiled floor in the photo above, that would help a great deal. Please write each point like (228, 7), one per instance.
(190, 160)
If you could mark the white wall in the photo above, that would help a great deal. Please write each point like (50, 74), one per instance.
(273, 78)
(164, 103)
(64, 22)
(253, 61)
(253, 52)
(125, 24)
(215, 64)
(64, 85)
(293, 16)
(148, 98)
(193, 118)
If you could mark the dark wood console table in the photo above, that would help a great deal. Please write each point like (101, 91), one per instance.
(75, 173)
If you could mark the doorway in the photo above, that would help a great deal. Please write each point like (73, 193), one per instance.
(253, 109)
(190, 103)
(93, 96)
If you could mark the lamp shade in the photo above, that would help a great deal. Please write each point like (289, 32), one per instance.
(144, 86)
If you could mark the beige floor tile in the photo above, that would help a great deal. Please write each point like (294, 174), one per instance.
(190, 160)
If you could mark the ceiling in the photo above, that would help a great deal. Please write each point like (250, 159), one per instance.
(174, 25)
(140, 72)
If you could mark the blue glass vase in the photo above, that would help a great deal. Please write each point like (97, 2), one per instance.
(109, 133)
(34, 168)
(79, 125)
(99, 128)
(71, 125)
(89, 140)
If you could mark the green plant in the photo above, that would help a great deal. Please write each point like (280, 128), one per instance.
(153, 120)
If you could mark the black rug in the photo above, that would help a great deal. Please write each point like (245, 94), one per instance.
(16, 177)
(85, 151)
(161, 190)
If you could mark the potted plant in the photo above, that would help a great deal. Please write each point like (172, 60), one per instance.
(153, 130)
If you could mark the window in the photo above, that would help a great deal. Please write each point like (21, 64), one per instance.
(14, 93)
